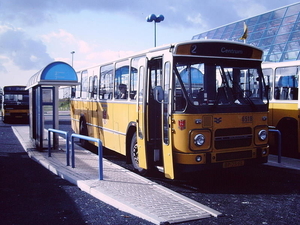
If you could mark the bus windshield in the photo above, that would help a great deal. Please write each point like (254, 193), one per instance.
(16, 99)
(215, 84)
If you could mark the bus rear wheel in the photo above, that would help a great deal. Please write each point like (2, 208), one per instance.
(134, 154)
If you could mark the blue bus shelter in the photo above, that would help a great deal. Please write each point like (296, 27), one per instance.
(44, 91)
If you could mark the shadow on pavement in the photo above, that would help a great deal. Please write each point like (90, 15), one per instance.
(30, 194)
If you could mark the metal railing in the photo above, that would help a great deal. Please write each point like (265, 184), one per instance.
(271, 129)
(100, 151)
(67, 143)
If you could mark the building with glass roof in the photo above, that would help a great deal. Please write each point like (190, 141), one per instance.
(277, 32)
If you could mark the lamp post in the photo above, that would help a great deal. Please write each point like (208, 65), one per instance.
(155, 19)
(72, 52)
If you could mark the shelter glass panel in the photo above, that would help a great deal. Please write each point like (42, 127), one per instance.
(281, 39)
(271, 32)
(261, 26)
(292, 46)
(289, 56)
(290, 19)
(295, 36)
(210, 34)
(265, 17)
(252, 21)
(219, 32)
(285, 29)
(279, 13)
(293, 10)
(266, 41)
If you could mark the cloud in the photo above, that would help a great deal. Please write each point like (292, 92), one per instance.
(62, 38)
(28, 53)
(24, 52)
(178, 13)
(246, 9)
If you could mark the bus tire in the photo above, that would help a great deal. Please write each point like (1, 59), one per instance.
(83, 131)
(135, 156)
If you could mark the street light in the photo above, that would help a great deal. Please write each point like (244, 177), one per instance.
(155, 19)
(72, 52)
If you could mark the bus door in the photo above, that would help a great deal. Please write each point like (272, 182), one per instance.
(160, 148)
(141, 114)
(166, 118)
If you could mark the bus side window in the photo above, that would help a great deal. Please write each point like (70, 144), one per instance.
(84, 85)
(121, 80)
(78, 87)
(133, 83)
(286, 84)
(268, 75)
(93, 82)
(90, 91)
(95, 87)
(106, 82)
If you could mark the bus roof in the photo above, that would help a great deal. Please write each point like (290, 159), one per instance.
(237, 50)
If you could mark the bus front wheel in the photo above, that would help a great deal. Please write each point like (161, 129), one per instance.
(134, 153)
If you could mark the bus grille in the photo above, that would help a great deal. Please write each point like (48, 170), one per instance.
(233, 137)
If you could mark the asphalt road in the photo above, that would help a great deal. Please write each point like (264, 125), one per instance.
(30, 194)
(247, 195)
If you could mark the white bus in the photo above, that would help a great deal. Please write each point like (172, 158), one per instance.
(283, 81)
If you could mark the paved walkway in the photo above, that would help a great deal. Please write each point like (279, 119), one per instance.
(120, 188)
(288, 163)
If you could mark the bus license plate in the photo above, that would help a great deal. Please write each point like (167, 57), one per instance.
(233, 164)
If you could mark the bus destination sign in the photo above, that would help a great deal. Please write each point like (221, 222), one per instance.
(218, 49)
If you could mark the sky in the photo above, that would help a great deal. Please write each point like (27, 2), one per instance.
(34, 33)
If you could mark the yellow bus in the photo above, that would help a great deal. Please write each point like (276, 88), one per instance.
(182, 107)
(283, 80)
(15, 104)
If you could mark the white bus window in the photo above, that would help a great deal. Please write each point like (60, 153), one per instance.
(268, 74)
(133, 77)
(286, 83)
(95, 87)
(121, 80)
(90, 95)
(106, 82)
(78, 87)
(84, 85)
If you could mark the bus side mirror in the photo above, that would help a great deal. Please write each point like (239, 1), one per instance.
(158, 93)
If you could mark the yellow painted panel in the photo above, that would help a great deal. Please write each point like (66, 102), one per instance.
(280, 110)
(168, 158)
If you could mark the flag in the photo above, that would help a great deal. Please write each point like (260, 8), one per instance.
(245, 34)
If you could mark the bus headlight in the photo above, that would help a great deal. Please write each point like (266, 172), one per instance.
(262, 135)
(199, 139)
